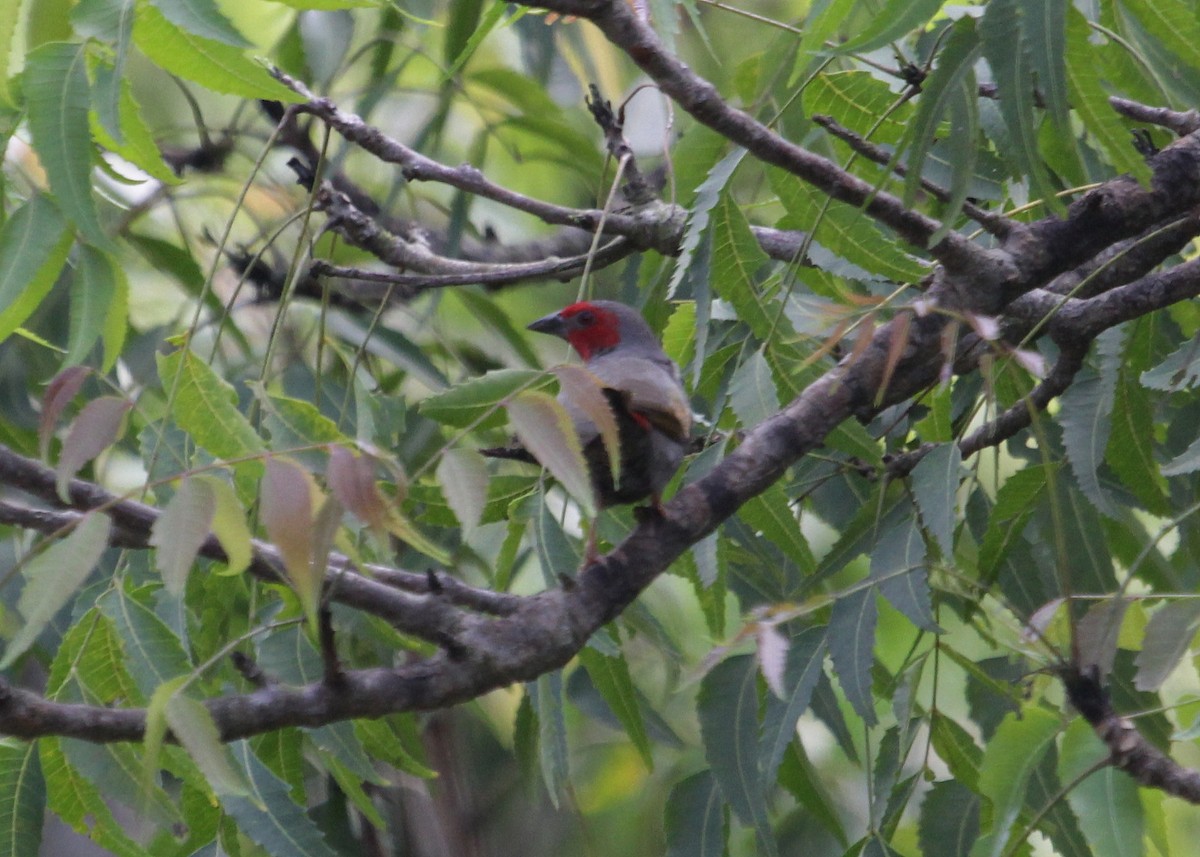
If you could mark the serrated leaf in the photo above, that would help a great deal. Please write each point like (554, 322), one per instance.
(180, 531)
(477, 402)
(62, 388)
(611, 677)
(753, 396)
(957, 749)
(1169, 635)
(770, 651)
(546, 694)
(851, 644)
(205, 406)
(1086, 418)
(1046, 29)
(22, 798)
(843, 230)
(1004, 35)
(201, 18)
(1130, 450)
(736, 258)
(1090, 101)
(34, 243)
(58, 98)
(269, 816)
(1108, 799)
(92, 431)
(728, 710)
(76, 801)
(217, 66)
(805, 660)
(859, 101)
(463, 478)
(1097, 633)
(935, 487)
(287, 500)
(580, 389)
(949, 822)
(152, 651)
(53, 578)
(229, 525)
(546, 430)
(694, 818)
(193, 727)
(295, 422)
(708, 194)
(1010, 758)
(899, 564)
(896, 19)
(351, 479)
(93, 292)
(136, 143)
(771, 514)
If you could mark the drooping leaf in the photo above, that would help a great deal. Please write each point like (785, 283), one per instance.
(180, 530)
(949, 820)
(34, 243)
(695, 818)
(935, 487)
(202, 18)
(62, 388)
(1169, 636)
(153, 653)
(287, 515)
(53, 578)
(193, 727)
(1009, 760)
(583, 390)
(753, 396)
(851, 644)
(545, 429)
(771, 514)
(728, 711)
(806, 657)
(136, 143)
(93, 431)
(610, 675)
(205, 406)
(1097, 633)
(708, 193)
(58, 99)
(229, 524)
(1107, 801)
(22, 798)
(899, 564)
(478, 402)
(463, 477)
(547, 698)
(215, 65)
(1086, 417)
(897, 18)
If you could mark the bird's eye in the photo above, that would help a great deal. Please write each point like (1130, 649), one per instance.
(586, 317)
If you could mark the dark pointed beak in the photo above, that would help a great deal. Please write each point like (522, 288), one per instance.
(551, 324)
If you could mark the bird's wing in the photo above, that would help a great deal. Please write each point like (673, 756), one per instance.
(650, 388)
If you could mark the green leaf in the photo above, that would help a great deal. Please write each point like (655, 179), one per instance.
(477, 402)
(736, 259)
(79, 803)
(949, 820)
(1086, 417)
(611, 677)
(1016, 501)
(201, 18)
(1046, 29)
(9, 16)
(1004, 33)
(859, 101)
(1173, 22)
(99, 308)
(137, 143)
(326, 5)
(180, 531)
(896, 19)
(1130, 450)
(463, 477)
(843, 230)
(22, 799)
(752, 395)
(899, 564)
(805, 660)
(708, 194)
(153, 652)
(193, 727)
(547, 696)
(935, 487)
(464, 19)
(728, 710)
(54, 576)
(268, 815)
(205, 406)
(296, 422)
(215, 65)
(957, 749)
(851, 643)
(58, 99)
(1090, 101)
(1012, 755)
(229, 524)
(771, 514)
(695, 818)
(1169, 635)
(1108, 799)
(34, 243)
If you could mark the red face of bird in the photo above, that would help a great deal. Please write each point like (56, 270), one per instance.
(592, 327)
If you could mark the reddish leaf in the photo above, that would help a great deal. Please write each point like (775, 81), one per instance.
(59, 392)
(93, 431)
(351, 478)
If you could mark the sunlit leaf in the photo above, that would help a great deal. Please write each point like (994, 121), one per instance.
(34, 243)
(463, 477)
(546, 430)
(478, 401)
(180, 531)
(1169, 636)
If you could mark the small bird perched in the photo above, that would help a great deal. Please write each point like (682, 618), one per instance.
(644, 390)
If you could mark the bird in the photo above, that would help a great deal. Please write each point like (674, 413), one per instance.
(644, 390)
